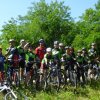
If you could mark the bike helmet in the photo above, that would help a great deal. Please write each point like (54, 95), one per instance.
(56, 42)
(79, 51)
(49, 49)
(66, 47)
(11, 40)
(92, 44)
(61, 44)
(83, 49)
(41, 41)
(22, 40)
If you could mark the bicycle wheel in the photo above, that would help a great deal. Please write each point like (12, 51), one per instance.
(10, 96)
(46, 83)
(62, 78)
(53, 81)
(74, 75)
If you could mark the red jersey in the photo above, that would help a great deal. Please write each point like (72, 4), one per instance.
(15, 60)
(40, 51)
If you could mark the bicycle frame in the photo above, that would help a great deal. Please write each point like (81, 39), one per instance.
(5, 87)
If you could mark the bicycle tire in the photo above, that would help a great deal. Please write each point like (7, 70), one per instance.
(74, 79)
(51, 82)
(9, 96)
(62, 78)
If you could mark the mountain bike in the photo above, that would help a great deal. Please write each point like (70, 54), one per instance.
(10, 93)
(54, 78)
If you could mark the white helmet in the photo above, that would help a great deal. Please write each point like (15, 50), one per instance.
(22, 40)
(61, 44)
(49, 49)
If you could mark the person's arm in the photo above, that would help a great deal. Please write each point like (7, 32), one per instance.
(26, 46)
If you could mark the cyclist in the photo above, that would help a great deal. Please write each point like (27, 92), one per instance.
(56, 53)
(85, 56)
(45, 62)
(85, 59)
(2, 61)
(40, 50)
(70, 56)
(14, 60)
(93, 56)
(67, 49)
(22, 53)
(72, 52)
(30, 61)
(47, 58)
(80, 69)
(93, 61)
(61, 49)
(11, 47)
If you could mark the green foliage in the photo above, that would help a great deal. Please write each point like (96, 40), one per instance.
(50, 21)
(91, 91)
(54, 22)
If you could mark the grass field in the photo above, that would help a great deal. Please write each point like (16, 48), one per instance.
(88, 92)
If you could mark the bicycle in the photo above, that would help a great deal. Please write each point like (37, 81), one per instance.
(10, 95)
(34, 73)
(53, 79)
(13, 71)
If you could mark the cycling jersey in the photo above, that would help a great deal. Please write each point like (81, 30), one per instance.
(61, 52)
(47, 58)
(2, 59)
(11, 50)
(31, 56)
(80, 59)
(21, 52)
(15, 59)
(92, 54)
(40, 51)
(56, 53)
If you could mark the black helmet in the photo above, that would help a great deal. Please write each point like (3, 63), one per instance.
(41, 41)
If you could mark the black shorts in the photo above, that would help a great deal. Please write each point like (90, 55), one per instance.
(1, 67)
(29, 67)
(22, 64)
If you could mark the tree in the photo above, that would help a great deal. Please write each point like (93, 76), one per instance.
(48, 21)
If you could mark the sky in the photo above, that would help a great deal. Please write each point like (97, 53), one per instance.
(13, 8)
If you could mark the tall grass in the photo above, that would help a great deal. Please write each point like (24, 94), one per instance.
(91, 91)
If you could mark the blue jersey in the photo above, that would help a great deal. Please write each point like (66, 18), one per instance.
(2, 59)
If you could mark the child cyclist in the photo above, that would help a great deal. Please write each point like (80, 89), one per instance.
(2, 60)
